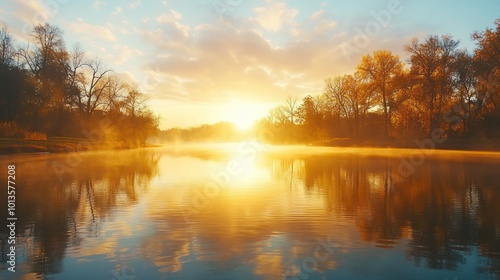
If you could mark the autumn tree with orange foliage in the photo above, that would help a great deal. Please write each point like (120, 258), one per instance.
(381, 71)
(442, 88)
(49, 90)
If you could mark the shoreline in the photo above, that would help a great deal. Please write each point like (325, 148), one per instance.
(11, 146)
(55, 145)
(14, 146)
(456, 144)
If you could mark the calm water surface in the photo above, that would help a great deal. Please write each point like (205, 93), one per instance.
(253, 212)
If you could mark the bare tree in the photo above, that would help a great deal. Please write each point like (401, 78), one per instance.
(49, 52)
(340, 92)
(113, 94)
(94, 87)
(135, 101)
(76, 77)
(7, 51)
(47, 61)
(277, 115)
(291, 108)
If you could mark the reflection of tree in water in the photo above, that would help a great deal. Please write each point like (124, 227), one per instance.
(53, 214)
(444, 208)
(443, 228)
(290, 170)
(487, 218)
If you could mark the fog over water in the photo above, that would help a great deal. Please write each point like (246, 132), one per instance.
(254, 211)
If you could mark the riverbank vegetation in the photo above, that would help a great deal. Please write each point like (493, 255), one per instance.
(440, 91)
(440, 96)
(48, 91)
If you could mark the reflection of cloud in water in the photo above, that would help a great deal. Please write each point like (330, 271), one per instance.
(294, 196)
(127, 208)
(236, 225)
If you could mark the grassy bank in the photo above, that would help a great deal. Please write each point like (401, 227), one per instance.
(10, 146)
(51, 145)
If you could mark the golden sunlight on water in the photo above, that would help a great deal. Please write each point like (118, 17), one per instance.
(253, 211)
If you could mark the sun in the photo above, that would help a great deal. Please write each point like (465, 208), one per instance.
(242, 114)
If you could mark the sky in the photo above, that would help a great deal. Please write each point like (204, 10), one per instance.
(204, 61)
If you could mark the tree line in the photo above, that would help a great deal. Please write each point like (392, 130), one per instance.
(217, 132)
(441, 90)
(59, 92)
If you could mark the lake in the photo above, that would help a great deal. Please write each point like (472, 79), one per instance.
(251, 211)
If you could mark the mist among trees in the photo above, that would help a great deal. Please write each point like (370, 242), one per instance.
(49, 90)
(439, 90)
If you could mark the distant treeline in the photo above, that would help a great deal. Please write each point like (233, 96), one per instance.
(442, 91)
(49, 90)
(222, 131)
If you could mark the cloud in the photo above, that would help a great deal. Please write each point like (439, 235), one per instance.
(317, 15)
(117, 11)
(97, 4)
(23, 15)
(32, 11)
(171, 17)
(122, 53)
(263, 53)
(134, 4)
(275, 16)
(223, 62)
(168, 34)
(324, 26)
(86, 29)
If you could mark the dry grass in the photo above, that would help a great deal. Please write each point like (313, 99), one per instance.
(33, 135)
(12, 130)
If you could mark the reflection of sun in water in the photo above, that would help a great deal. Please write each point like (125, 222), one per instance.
(241, 114)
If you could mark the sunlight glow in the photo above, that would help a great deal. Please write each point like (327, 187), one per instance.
(241, 114)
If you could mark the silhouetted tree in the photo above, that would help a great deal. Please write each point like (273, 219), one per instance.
(344, 93)
(95, 83)
(310, 116)
(466, 108)
(290, 108)
(47, 62)
(134, 102)
(45, 88)
(7, 51)
(277, 115)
